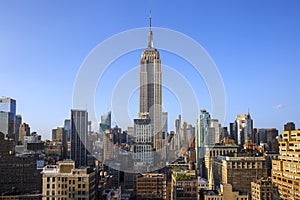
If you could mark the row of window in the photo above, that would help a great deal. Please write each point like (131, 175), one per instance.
(65, 192)
(65, 179)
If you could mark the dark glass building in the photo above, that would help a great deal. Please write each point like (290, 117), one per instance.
(79, 134)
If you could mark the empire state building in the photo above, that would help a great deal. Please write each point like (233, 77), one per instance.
(151, 90)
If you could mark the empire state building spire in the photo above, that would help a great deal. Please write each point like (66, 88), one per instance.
(150, 36)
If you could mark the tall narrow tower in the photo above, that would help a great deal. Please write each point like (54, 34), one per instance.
(79, 133)
(151, 89)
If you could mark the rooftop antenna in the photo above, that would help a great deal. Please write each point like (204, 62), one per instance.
(150, 37)
(150, 18)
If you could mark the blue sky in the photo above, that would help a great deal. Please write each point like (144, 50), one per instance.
(255, 45)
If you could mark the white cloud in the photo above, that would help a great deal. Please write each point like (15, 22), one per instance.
(278, 106)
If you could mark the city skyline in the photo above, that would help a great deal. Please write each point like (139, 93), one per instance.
(254, 53)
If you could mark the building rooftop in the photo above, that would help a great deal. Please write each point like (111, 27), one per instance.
(242, 158)
(184, 175)
(264, 181)
(65, 167)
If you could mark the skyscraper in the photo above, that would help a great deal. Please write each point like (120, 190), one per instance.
(244, 128)
(18, 122)
(4, 123)
(108, 145)
(8, 116)
(151, 89)
(165, 123)
(8, 105)
(202, 126)
(177, 136)
(105, 122)
(232, 130)
(67, 127)
(79, 133)
(187, 131)
(24, 130)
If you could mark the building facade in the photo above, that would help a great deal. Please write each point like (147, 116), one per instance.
(202, 125)
(19, 174)
(8, 110)
(18, 123)
(24, 130)
(263, 189)
(286, 170)
(210, 160)
(241, 170)
(184, 185)
(79, 134)
(64, 181)
(244, 128)
(105, 122)
(177, 133)
(60, 138)
(67, 127)
(151, 186)
(143, 142)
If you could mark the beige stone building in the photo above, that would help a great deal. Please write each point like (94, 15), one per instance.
(64, 181)
(151, 186)
(241, 170)
(225, 193)
(211, 154)
(262, 189)
(286, 170)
